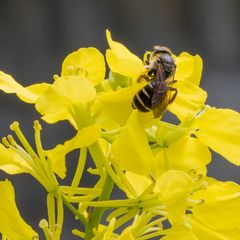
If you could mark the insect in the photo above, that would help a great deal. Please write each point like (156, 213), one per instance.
(158, 93)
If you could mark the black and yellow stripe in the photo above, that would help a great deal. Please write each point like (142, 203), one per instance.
(143, 98)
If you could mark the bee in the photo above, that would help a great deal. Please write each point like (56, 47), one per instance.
(158, 93)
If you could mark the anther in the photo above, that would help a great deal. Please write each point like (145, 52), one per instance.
(11, 140)
(43, 224)
(14, 126)
(5, 142)
(37, 125)
(55, 77)
(194, 201)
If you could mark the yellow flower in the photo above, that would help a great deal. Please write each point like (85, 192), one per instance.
(175, 149)
(190, 98)
(71, 92)
(11, 223)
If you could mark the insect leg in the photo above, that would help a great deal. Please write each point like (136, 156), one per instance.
(174, 95)
(143, 76)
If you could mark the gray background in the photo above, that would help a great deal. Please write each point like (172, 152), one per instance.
(35, 36)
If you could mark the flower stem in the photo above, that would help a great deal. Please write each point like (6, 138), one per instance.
(74, 210)
(60, 217)
(98, 212)
(113, 203)
(51, 211)
(79, 171)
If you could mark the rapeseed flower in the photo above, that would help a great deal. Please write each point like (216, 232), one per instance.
(160, 167)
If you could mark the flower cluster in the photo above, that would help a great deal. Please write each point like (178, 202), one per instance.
(160, 167)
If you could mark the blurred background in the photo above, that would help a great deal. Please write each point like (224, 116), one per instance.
(35, 36)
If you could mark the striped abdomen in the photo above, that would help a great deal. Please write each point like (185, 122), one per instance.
(143, 98)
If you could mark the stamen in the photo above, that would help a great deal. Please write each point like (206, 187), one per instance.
(44, 225)
(5, 142)
(15, 127)
(12, 141)
(45, 166)
(192, 202)
(37, 127)
(202, 186)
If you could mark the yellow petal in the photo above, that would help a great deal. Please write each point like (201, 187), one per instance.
(86, 62)
(131, 148)
(186, 154)
(60, 115)
(175, 187)
(36, 90)
(189, 68)
(202, 231)
(221, 201)
(9, 85)
(118, 104)
(189, 101)
(220, 130)
(182, 235)
(11, 223)
(139, 182)
(74, 89)
(12, 169)
(64, 92)
(122, 61)
(84, 137)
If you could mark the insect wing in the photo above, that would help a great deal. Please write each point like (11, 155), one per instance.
(160, 99)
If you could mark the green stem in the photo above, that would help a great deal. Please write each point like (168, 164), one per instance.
(123, 178)
(74, 210)
(81, 191)
(98, 212)
(113, 203)
(79, 199)
(51, 211)
(98, 157)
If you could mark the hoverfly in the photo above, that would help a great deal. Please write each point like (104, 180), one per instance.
(157, 94)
